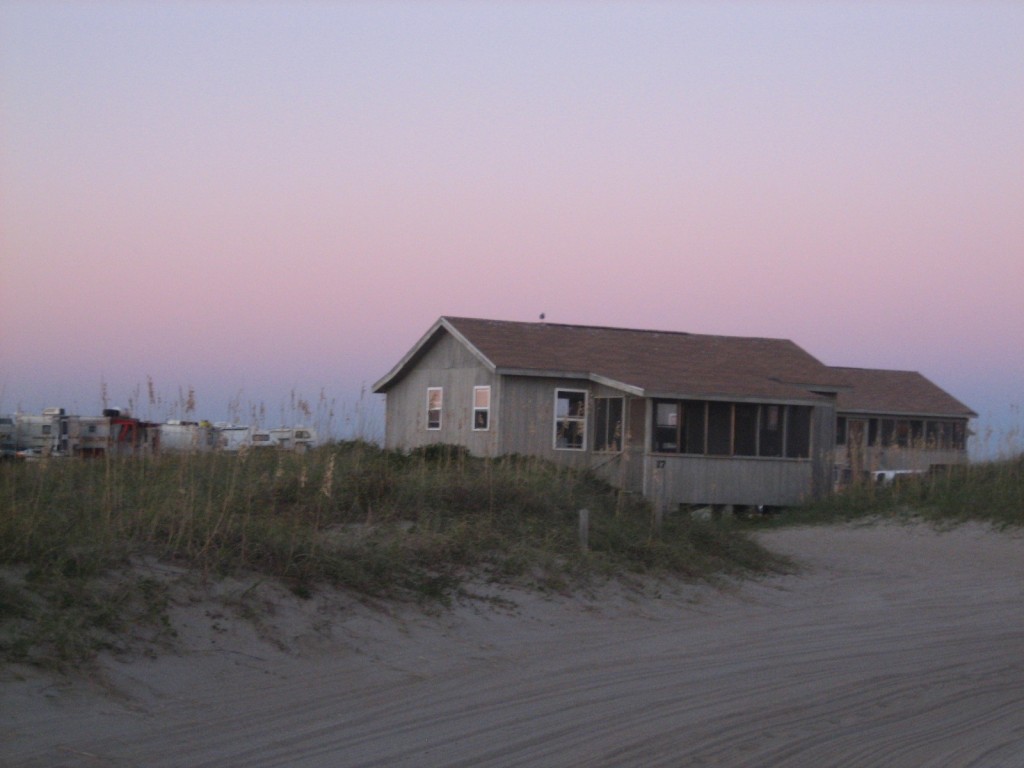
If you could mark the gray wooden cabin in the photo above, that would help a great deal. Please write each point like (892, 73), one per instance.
(896, 421)
(684, 419)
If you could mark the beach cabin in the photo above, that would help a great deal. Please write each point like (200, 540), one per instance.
(682, 418)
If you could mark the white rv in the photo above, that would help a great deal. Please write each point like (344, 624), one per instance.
(298, 439)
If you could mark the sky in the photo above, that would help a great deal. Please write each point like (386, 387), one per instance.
(267, 204)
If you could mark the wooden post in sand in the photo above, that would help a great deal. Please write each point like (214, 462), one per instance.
(584, 529)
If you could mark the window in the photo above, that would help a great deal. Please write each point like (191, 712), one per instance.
(434, 399)
(481, 408)
(570, 419)
(608, 424)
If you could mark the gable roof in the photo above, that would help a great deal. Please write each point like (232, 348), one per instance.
(647, 363)
(903, 393)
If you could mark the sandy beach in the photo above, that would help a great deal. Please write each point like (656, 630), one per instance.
(892, 646)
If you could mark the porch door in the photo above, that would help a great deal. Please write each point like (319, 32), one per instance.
(636, 437)
(856, 447)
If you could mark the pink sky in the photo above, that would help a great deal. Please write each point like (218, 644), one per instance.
(259, 199)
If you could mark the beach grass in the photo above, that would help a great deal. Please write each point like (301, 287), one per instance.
(348, 515)
(990, 492)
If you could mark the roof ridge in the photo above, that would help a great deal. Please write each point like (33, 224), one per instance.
(456, 318)
(874, 370)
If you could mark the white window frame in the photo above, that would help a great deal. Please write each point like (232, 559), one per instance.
(582, 420)
(440, 408)
(486, 410)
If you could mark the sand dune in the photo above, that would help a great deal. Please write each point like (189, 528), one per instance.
(894, 646)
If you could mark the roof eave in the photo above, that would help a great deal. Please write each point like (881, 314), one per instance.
(732, 397)
(542, 373)
(881, 413)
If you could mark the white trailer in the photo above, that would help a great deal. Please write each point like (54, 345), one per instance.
(232, 438)
(297, 439)
(178, 436)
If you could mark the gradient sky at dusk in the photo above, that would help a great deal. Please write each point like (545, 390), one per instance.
(256, 199)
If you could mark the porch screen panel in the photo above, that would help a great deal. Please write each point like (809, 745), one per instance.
(960, 435)
(798, 432)
(694, 423)
(608, 424)
(719, 429)
(772, 425)
(666, 427)
(888, 432)
(745, 431)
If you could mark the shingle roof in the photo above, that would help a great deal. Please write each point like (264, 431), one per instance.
(653, 363)
(905, 393)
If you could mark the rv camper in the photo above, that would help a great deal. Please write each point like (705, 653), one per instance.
(297, 439)
(39, 435)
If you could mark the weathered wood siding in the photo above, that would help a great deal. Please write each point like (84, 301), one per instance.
(823, 445)
(895, 457)
(674, 480)
(450, 365)
(527, 414)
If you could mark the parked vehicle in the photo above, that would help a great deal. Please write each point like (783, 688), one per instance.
(186, 436)
(298, 439)
(232, 438)
(116, 433)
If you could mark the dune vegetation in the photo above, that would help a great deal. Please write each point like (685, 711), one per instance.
(990, 492)
(380, 524)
